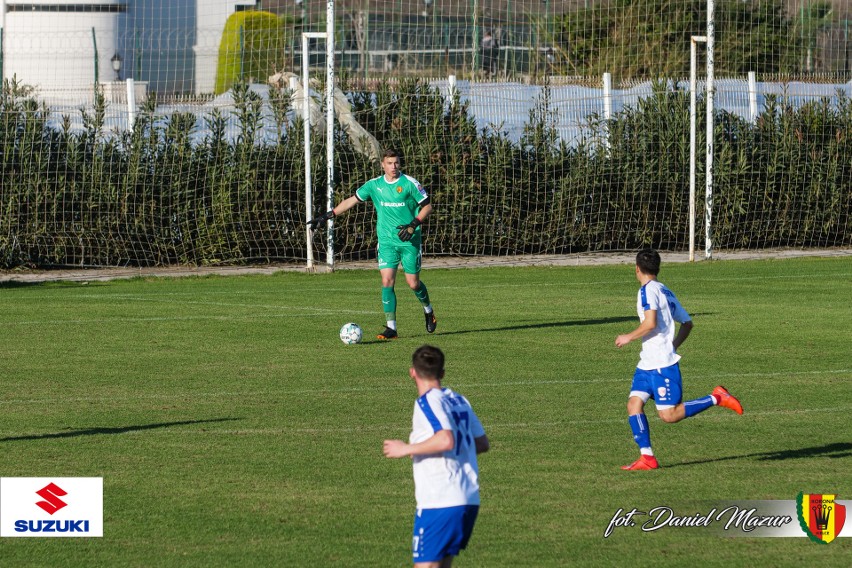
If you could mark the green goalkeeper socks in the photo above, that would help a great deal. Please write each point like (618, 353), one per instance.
(422, 294)
(389, 303)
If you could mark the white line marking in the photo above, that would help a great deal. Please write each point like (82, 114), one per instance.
(811, 276)
(210, 430)
(65, 295)
(306, 312)
(402, 385)
(301, 311)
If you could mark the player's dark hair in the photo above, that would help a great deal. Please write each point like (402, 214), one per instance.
(428, 361)
(391, 153)
(648, 261)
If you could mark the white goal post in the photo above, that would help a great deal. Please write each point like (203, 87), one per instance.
(693, 96)
(709, 92)
(329, 124)
(328, 35)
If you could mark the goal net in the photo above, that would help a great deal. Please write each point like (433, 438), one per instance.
(158, 132)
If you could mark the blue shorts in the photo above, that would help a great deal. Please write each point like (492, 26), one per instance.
(663, 385)
(439, 533)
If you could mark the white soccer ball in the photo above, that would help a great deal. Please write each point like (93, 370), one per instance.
(351, 333)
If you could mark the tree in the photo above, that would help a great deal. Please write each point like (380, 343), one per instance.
(650, 38)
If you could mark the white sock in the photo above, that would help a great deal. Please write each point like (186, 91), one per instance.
(392, 324)
(646, 452)
(428, 309)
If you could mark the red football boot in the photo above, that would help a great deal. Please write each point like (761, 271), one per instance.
(644, 462)
(727, 400)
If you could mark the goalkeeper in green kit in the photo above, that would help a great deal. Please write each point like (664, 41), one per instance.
(401, 206)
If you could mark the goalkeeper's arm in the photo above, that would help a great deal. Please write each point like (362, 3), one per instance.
(341, 207)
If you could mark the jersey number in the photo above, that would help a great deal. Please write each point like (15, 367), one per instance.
(462, 420)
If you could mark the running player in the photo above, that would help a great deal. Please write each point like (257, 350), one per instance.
(657, 375)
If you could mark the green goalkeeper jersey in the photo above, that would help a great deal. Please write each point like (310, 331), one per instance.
(396, 204)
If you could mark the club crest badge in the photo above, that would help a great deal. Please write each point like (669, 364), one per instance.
(399, 189)
(820, 516)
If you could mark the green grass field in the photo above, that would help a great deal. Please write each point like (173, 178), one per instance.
(233, 428)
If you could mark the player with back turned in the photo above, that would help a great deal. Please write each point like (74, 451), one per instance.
(446, 436)
(657, 375)
(401, 207)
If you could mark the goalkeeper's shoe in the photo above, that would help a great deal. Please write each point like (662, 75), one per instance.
(727, 400)
(388, 333)
(644, 462)
(431, 322)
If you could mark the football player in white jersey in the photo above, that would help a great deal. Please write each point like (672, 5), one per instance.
(446, 437)
(657, 375)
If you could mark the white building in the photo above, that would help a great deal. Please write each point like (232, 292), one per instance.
(172, 45)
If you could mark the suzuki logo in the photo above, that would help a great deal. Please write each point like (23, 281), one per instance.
(52, 502)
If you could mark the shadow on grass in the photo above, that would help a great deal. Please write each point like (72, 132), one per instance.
(600, 321)
(104, 431)
(836, 450)
(569, 323)
(12, 284)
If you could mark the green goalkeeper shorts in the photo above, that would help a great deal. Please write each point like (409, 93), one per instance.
(390, 255)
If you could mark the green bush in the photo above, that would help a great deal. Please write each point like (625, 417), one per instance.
(162, 195)
(252, 48)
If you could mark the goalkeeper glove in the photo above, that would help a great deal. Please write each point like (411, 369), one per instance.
(407, 231)
(314, 223)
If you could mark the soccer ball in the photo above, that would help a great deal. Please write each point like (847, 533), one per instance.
(351, 333)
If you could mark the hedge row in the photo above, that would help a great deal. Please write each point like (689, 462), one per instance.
(158, 195)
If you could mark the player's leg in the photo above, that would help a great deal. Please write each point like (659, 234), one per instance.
(695, 406)
(388, 263)
(468, 521)
(719, 397)
(687, 409)
(667, 387)
(388, 303)
(420, 291)
(411, 261)
(640, 393)
(671, 410)
(641, 435)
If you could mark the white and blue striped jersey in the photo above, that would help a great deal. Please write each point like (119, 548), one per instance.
(657, 347)
(451, 478)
